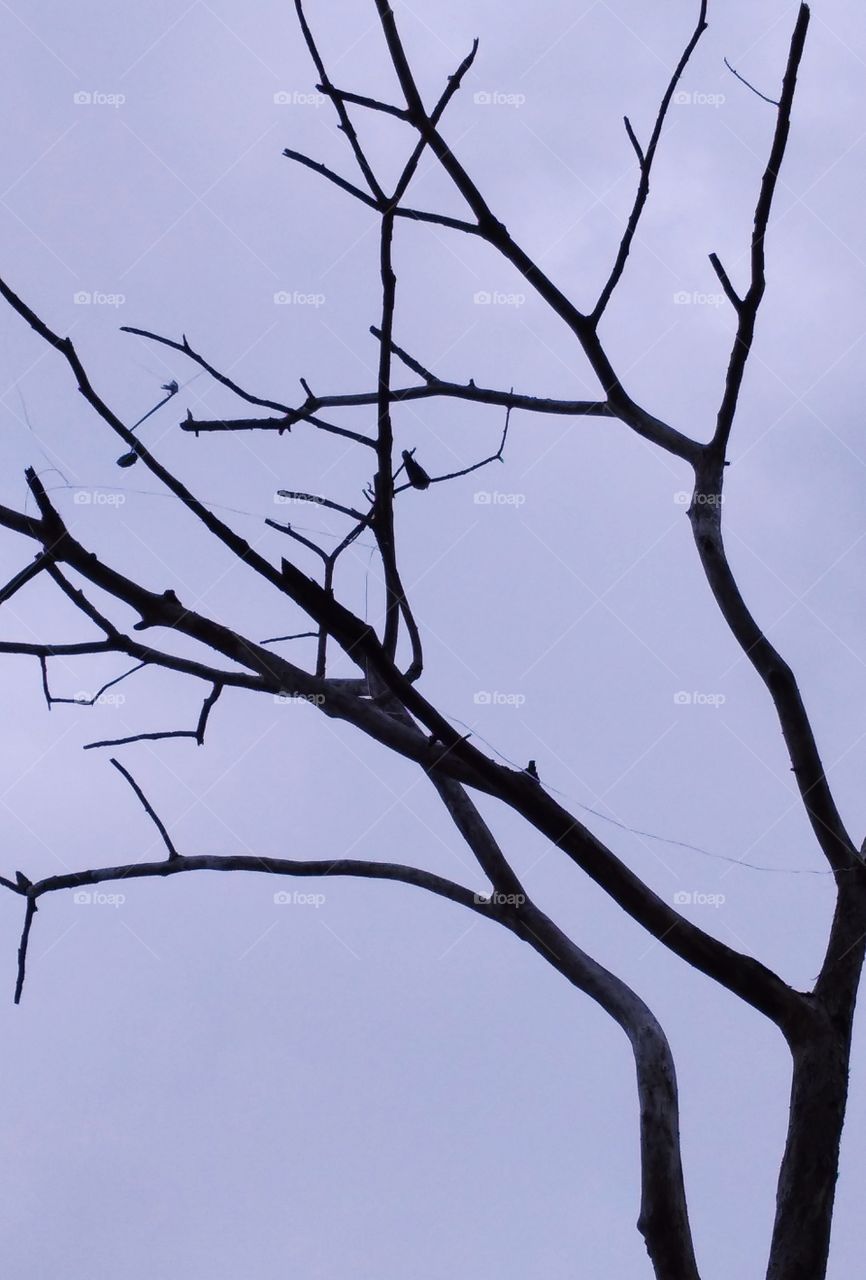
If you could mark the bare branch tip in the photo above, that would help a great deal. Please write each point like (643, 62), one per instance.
(774, 102)
(632, 137)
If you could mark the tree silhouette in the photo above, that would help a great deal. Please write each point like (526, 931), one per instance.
(385, 700)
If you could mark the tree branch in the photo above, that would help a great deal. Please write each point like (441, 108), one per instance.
(358, 100)
(29, 913)
(498, 456)
(345, 120)
(664, 1219)
(185, 349)
(580, 324)
(24, 576)
(748, 309)
(646, 169)
(754, 982)
(705, 514)
(774, 102)
(325, 172)
(148, 809)
(730, 292)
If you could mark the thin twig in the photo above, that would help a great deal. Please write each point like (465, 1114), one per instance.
(325, 172)
(94, 698)
(206, 708)
(475, 466)
(22, 946)
(358, 100)
(298, 496)
(632, 137)
(724, 279)
(148, 809)
(299, 635)
(773, 101)
(298, 537)
(185, 349)
(345, 120)
(280, 425)
(24, 576)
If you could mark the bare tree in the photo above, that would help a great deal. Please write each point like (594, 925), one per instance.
(385, 701)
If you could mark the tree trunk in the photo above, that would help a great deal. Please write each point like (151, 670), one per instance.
(807, 1178)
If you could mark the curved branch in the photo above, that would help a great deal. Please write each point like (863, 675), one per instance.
(179, 864)
(705, 514)
(323, 867)
(774, 102)
(664, 1219)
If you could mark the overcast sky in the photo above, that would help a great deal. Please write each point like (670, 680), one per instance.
(202, 1081)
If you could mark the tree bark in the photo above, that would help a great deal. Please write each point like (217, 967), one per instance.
(807, 1178)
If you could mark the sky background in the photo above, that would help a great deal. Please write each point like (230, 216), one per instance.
(204, 1082)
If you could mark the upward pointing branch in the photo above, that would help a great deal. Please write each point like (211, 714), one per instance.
(748, 309)
(705, 515)
(646, 162)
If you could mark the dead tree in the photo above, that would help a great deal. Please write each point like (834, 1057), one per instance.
(385, 699)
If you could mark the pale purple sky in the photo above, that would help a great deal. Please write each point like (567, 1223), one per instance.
(201, 1081)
